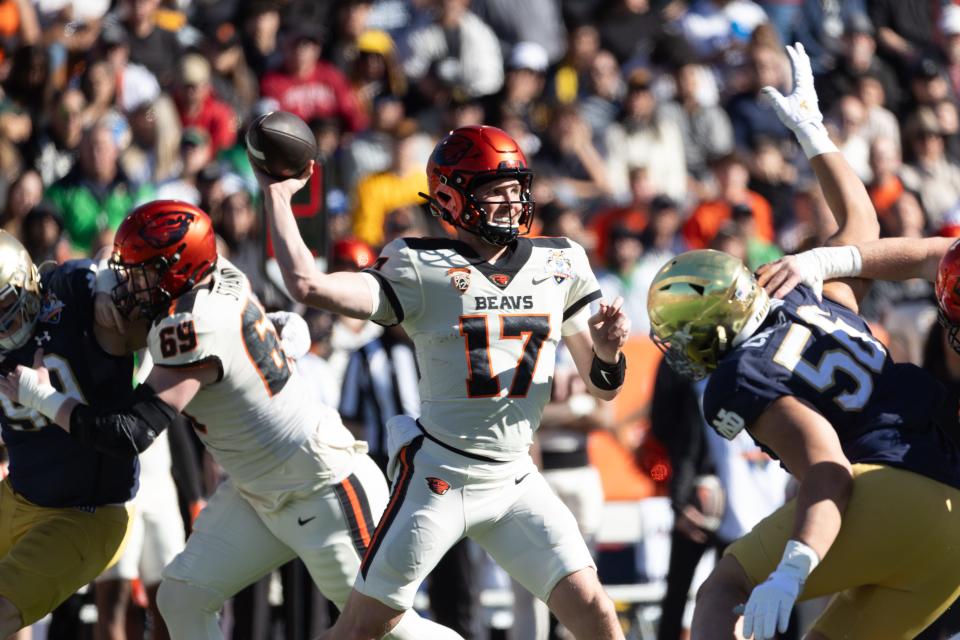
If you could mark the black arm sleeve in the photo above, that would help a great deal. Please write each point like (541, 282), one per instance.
(185, 462)
(127, 431)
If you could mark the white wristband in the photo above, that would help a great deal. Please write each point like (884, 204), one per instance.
(798, 560)
(106, 279)
(814, 139)
(838, 262)
(42, 397)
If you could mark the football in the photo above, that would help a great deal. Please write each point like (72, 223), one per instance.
(280, 144)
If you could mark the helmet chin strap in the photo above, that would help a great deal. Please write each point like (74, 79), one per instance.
(758, 313)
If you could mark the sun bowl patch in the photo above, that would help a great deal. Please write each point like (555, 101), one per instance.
(51, 309)
(559, 266)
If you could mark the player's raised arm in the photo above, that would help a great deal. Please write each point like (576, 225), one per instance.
(884, 259)
(346, 293)
(844, 192)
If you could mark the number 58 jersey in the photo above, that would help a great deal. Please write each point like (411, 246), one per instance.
(824, 354)
(485, 334)
(258, 419)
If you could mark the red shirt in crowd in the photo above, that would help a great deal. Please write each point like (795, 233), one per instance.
(706, 220)
(324, 94)
(214, 117)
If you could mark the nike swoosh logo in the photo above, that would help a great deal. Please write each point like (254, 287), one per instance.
(303, 521)
(541, 280)
(605, 376)
(520, 479)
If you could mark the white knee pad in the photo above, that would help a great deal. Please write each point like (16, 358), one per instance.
(413, 627)
(190, 610)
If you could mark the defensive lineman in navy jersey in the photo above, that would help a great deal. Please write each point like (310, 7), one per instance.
(875, 521)
(62, 509)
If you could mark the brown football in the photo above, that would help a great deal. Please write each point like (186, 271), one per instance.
(280, 144)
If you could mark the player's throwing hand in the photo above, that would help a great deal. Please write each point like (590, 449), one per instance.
(285, 188)
(609, 328)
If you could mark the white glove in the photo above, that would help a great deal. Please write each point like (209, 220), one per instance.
(294, 333)
(770, 603)
(800, 111)
(811, 268)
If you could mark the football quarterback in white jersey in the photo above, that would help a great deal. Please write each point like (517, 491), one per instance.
(299, 484)
(485, 311)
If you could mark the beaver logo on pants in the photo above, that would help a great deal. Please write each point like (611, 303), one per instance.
(438, 486)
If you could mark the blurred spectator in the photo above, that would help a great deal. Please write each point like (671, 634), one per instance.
(904, 29)
(730, 173)
(570, 79)
(623, 275)
(348, 19)
(404, 222)
(661, 238)
(72, 24)
(759, 251)
(930, 173)
(400, 185)
(151, 46)
(631, 29)
(644, 137)
(24, 194)
(42, 235)
(153, 154)
(858, 60)
(376, 72)
(880, 122)
(261, 26)
(457, 49)
(371, 151)
(95, 195)
(928, 85)
(949, 121)
(199, 107)
(774, 178)
(29, 85)
(232, 79)
(950, 48)
(886, 187)
(53, 149)
(536, 21)
(719, 28)
(750, 115)
(821, 27)
(310, 87)
(847, 124)
(99, 85)
(632, 215)
(194, 150)
(600, 105)
(523, 87)
(569, 158)
(704, 128)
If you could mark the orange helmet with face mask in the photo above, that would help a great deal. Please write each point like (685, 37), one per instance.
(467, 158)
(161, 250)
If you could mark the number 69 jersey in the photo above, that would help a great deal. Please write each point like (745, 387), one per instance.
(257, 419)
(485, 335)
(824, 354)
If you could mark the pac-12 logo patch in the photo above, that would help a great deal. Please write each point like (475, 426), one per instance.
(459, 278)
(438, 486)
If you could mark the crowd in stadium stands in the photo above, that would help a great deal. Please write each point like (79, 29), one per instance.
(644, 124)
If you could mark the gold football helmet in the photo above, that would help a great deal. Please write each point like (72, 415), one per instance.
(701, 305)
(19, 293)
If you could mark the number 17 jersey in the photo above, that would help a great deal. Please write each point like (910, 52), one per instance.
(485, 334)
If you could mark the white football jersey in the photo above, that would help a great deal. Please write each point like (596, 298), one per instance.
(485, 334)
(259, 420)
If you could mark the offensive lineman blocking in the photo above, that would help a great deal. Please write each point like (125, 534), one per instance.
(299, 484)
(485, 312)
